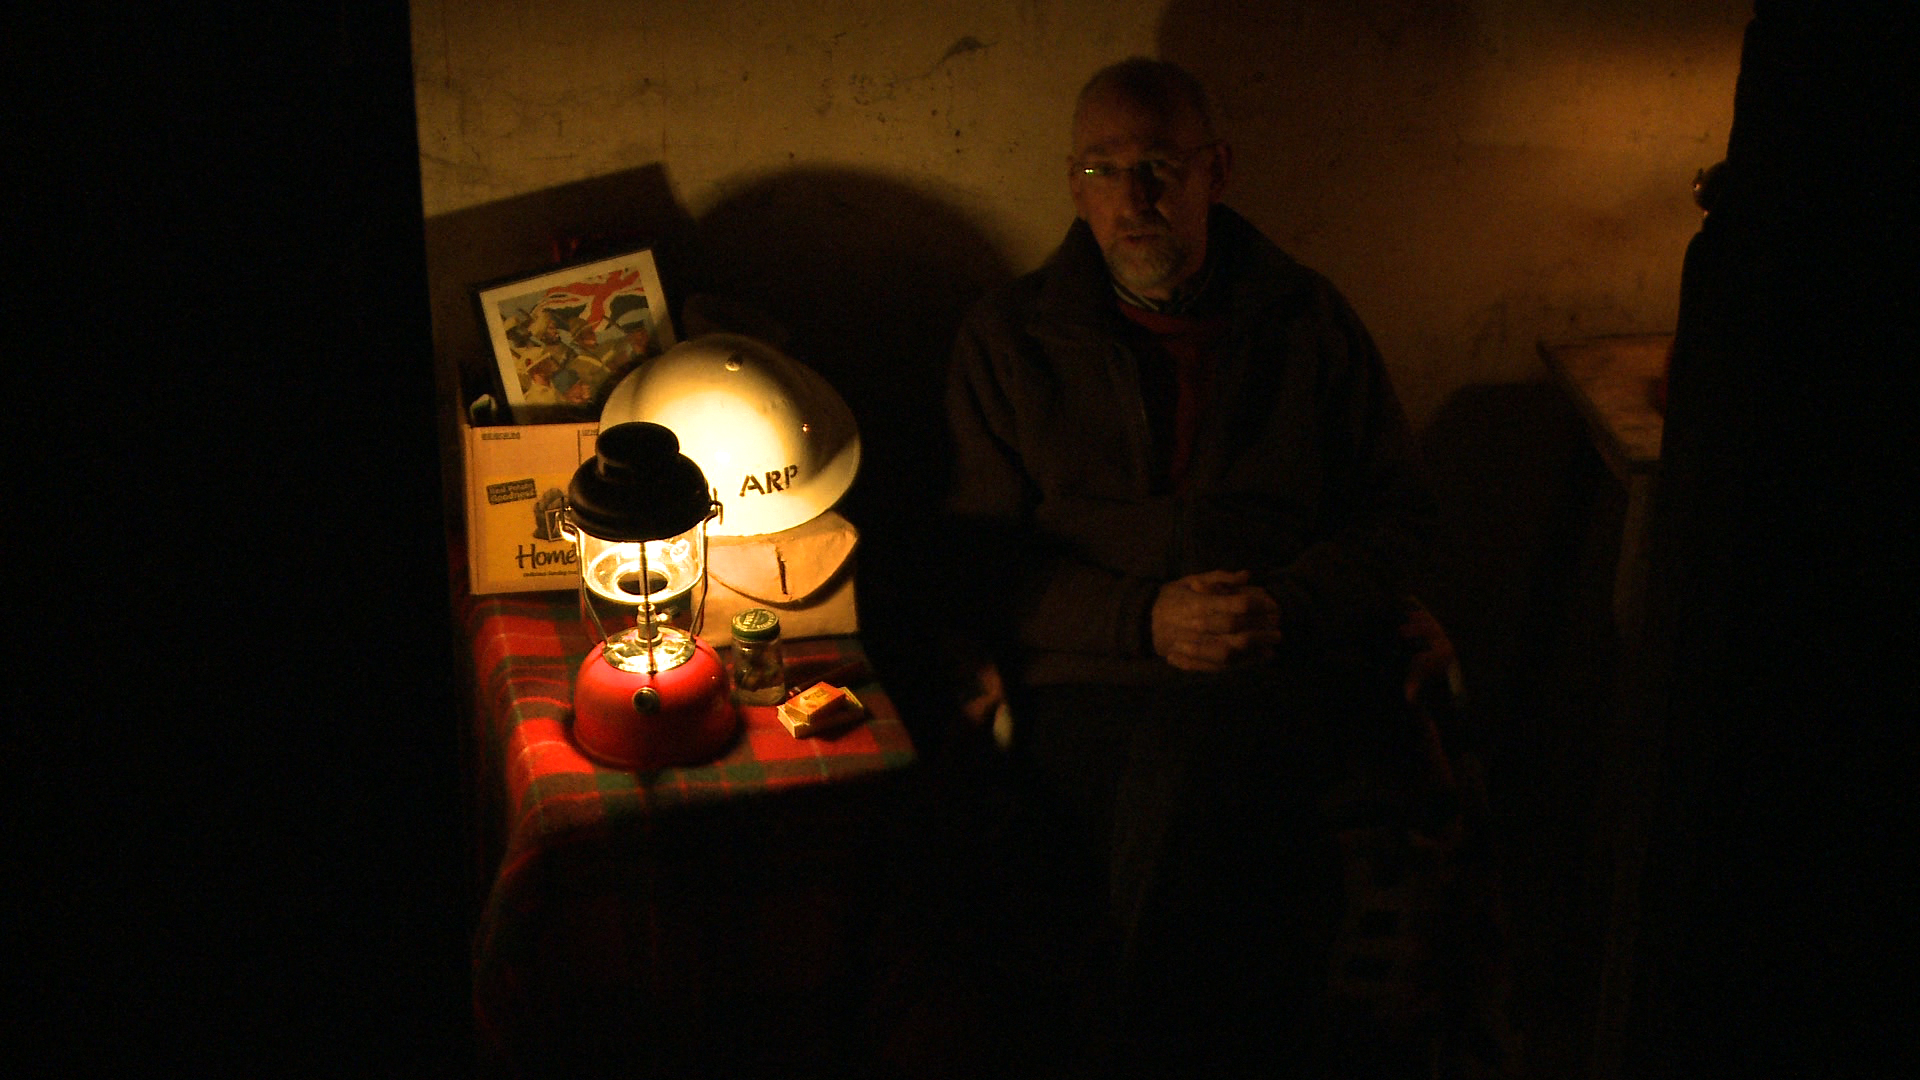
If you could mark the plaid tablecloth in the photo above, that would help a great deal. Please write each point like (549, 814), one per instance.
(630, 912)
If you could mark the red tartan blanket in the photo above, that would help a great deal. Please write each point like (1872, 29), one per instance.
(598, 866)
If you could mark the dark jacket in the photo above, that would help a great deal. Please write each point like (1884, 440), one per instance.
(1301, 469)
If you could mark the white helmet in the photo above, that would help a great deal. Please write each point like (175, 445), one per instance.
(777, 443)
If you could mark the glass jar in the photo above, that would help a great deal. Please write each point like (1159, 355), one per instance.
(759, 663)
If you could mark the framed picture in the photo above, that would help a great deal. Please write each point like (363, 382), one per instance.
(562, 339)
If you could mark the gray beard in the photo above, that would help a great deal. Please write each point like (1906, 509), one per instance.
(1150, 269)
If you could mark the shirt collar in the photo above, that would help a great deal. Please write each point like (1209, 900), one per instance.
(1184, 298)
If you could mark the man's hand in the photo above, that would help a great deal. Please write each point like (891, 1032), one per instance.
(988, 697)
(1212, 621)
(1433, 655)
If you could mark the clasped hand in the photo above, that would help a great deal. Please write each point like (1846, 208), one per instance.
(1213, 621)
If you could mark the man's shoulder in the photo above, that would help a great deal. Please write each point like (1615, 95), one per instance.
(1266, 280)
(1021, 294)
(1060, 293)
(1255, 260)
(1007, 309)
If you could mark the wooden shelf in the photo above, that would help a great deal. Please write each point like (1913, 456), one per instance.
(1615, 382)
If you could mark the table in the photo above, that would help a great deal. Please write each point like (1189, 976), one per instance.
(634, 917)
(1614, 382)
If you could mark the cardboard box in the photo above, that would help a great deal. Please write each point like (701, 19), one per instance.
(516, 478)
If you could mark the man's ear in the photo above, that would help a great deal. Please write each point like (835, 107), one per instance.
(1219, 171)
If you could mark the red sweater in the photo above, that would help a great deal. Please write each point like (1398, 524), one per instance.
(1175, 380)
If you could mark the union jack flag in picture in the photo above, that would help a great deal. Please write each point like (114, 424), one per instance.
(595, 293)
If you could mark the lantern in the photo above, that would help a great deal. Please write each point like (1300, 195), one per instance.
(652, 694)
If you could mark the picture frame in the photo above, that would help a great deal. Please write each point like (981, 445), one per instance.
(563, 338)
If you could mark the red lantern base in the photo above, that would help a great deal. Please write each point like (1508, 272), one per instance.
(681, 715)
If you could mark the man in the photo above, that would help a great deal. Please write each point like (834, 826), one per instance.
(1184, 496)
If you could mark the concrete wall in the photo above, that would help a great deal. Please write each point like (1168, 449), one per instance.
(1474, 174)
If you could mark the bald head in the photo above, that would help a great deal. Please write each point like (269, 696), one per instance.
(1157, 87)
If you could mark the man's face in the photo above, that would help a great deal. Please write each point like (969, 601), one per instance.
(1144, 183)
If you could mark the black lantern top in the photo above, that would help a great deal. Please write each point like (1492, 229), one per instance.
(638, 487)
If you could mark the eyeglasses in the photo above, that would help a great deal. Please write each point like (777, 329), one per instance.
(1166, 171)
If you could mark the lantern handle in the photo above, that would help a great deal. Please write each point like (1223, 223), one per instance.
(697, 618)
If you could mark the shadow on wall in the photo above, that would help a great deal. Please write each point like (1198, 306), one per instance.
(869, 280)
(517, 236)
(1324, 97)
